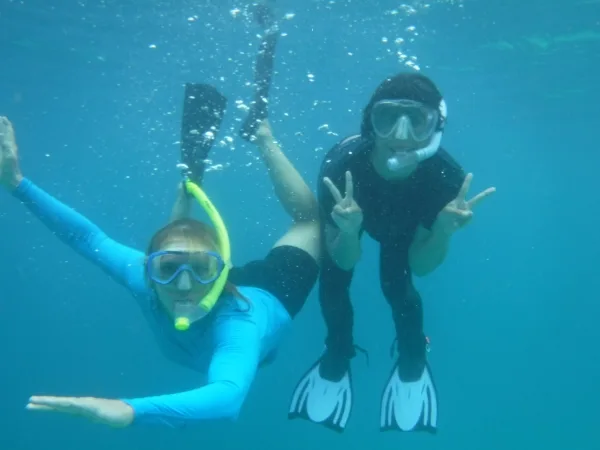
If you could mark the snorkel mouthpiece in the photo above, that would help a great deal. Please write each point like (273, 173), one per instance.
(402, 160)
(182, 323)
(393, 164)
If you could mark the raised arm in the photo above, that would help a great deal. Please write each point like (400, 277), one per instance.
(448, 211)
(120, 262)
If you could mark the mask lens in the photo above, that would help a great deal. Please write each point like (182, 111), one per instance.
(386, 116)
(166, 266)
(423, 122)
(205, 267)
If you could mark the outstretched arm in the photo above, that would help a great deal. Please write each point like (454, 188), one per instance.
(232, 369)
(125, 264)
(231, 373)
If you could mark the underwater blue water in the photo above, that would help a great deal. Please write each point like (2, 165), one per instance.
(94, 89)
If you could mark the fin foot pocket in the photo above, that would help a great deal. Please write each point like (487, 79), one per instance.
(322, 401)
(409, 405)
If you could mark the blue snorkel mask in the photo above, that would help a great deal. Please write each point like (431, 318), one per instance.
(165, 266)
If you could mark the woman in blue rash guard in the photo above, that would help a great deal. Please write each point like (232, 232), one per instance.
(181, 265)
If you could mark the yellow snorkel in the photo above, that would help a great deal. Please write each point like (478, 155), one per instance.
(182, 322)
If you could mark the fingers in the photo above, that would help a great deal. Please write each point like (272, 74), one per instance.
(460, 213)
(349, 187)
(335, 192)
(34, 407)
(462, 194)
(341, 216)
(347, 199)
(52, 402)
(475, 200)
(66, 405)
(464, 215)
(340, 211)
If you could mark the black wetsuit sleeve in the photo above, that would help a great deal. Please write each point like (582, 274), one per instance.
(445, 178)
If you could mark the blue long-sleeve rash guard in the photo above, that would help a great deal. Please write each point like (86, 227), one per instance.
(226, 347)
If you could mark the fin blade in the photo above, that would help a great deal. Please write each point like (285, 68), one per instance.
(203, 111)
(409, 406)
(321, 401)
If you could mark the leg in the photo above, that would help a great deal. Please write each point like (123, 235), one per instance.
(336, 308)
(263, 71)
(305, 236)
(292, 191)
(324, 394)
(407, 309)
(182, 209)
(409, 401)
(294, 195)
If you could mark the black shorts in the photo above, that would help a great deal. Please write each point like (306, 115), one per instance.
(287, 272)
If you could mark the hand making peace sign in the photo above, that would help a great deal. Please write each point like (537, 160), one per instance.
(459, 211)
(346, 213)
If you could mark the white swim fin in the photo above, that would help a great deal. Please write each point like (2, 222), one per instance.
(322, 401)
(409, 406)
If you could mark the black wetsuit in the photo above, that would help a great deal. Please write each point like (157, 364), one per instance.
(392, 212)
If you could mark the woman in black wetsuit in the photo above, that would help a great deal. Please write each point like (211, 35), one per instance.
(395, 182)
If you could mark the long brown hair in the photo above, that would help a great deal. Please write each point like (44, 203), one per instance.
(191, 231)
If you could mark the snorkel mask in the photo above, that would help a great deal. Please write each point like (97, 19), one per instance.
(204, 267)
(409, 120)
